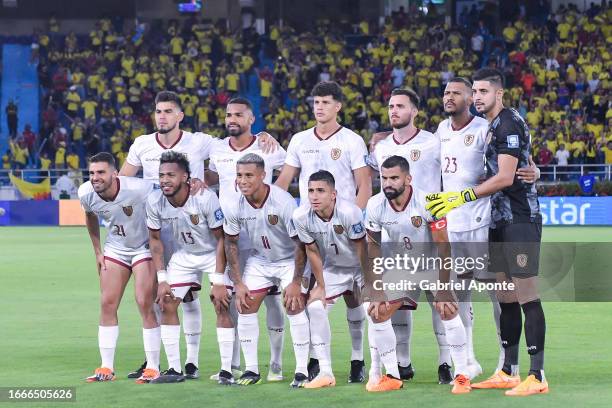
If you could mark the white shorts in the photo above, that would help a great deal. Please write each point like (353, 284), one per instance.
(472, 245)
(339, 281)
(185, 272)
(128, 258)
(260, 276)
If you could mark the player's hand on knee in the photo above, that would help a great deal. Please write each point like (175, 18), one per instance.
(293, 299)
(318, 293)
(164, 292)
(100, 263)
(267, 143)
(197, 186)
(219, 297)
(242, 296)
(378, 310)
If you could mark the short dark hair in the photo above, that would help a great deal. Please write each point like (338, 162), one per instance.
(461, 80)
(103, 157)
(396, 161)
(168, 96)
(241, 101)
(170, 156)
(328, 88)
(492, 75)
(323, 175)
(410, 93)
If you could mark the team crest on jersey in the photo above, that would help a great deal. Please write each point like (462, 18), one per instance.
(338, 229)
(415, 154)
(468, 140)
(273, 219)
(195, 219)
(521, 260)
(336, 153)
(416, 221)
(128, 210)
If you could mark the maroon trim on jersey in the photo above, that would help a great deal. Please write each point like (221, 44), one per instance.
(216, 228)
(118, 262)
(466, 123)
(186, 198)
(116, 194)
(310, 243)
(330, 217)
(412, 306)
(263, 202)
(346, 292)
(328, 137)
(245, 147)
(231, 235)
(141, 261)
(262, 290)
(405, 204)
(154, 229)
(357, 239)
(173, 144)
(409, 139)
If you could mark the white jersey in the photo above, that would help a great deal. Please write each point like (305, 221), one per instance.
(335, 236)
(462, 154)
(406, 230)
(191, 224)
(269, 227)
(223, 158)
(146, 152)
(340, 154)
(422, 153)
(125, 214)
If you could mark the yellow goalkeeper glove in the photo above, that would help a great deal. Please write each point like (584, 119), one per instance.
(440, 204)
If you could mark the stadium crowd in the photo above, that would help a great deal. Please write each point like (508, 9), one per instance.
(97, 91)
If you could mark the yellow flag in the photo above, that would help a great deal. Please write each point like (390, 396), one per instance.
(35, 191)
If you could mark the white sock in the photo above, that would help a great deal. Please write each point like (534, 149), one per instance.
(275, 319)
(300, 335)
(386, 343)
(402, 325)
(320, 335)
(107, 342)
(375, 371)
(455, 335)
(496, 313)
(444, 355)
(192, 328)
(248, 331)
(236, 347)
(225, 338)
(466, 312)
(171, 335)
(151, 338)
(356, 320)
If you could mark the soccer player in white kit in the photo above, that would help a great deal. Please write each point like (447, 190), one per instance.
(422, 150)
(463, 143)
(337, 149)
(263, 212)
(399, 211)
(222, 170)
(333, 232)
(120, 202)
(195, 222)
(144, 154)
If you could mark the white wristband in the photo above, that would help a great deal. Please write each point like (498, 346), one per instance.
(216, 278)
(162, 276)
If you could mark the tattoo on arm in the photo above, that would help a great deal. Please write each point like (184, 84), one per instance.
(231, 253)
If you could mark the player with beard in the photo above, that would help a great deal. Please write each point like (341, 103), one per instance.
(144, 154)
(463, 142)
(222, 170)
(196, 224)
(422, 151)
(515, 235)
(120, 202)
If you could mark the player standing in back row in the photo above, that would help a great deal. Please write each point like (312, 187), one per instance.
(515, 235)
(337, 149)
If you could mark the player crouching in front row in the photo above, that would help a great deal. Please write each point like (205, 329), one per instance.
(196, 222)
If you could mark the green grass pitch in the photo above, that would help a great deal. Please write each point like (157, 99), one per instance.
(48, 337)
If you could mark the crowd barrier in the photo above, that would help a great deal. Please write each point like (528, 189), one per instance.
(555, 211)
